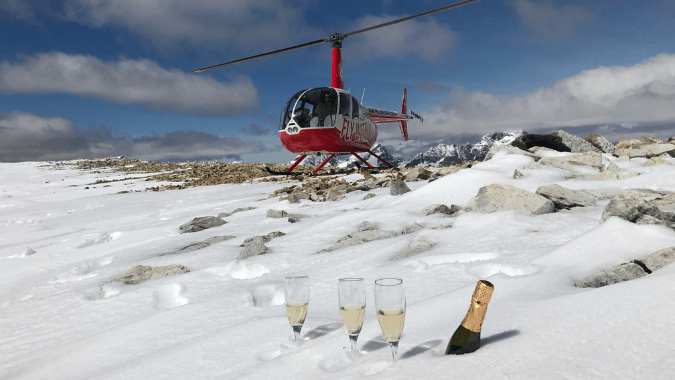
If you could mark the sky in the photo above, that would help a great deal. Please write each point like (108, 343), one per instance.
(91, 78)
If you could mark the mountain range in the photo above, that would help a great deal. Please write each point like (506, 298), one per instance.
(439, 155)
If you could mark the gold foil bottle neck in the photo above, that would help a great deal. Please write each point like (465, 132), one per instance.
(474, 318)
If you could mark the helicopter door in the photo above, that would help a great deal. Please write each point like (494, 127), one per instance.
(345, 106)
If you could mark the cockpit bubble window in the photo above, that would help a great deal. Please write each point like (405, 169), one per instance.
(355, 108)
(345, 104)
(314, 108)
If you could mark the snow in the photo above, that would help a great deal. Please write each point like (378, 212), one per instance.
(62, 315)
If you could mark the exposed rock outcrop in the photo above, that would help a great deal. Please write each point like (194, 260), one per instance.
(205, 243)
(359, 237)
(418, 245)
(226, 214)
(201, 223)
(493, 198)
(253, 247)
(564, 198)
(265, 238)
(143, 273)
(436, 209)
(601, 143)
(644, 147)
(398, 187)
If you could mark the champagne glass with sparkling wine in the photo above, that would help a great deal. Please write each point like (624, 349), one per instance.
(390, 307)
(296, 294)
(352, 300)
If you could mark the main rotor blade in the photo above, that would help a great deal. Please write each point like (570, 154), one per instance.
(308, 44)
(410, 17)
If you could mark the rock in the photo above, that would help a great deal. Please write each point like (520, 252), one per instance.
(205, 243)
(368, 196)
(367, 226)
(28, 252)
(226, 214)
(576, 144)
(656, 161)
(633, 208)
(201, 223)
(448, 170)
(612, 168)
(418, 174)
(265, 238)
(623, 158)
(398, 187)
(628, 175)
(276, 213)
(359, 237)
(314, 197)
(509, 149)
(526, 142)
(366, 174)
(659, 259)
(588, 159)
(142, 273)
(296, 197)
(435, 209)
(602, 176)
(620, 273)
(412, 228)
(644, 147)
(254, 247)
(417, 246)
(564, 199)
(493, 198)
(335, 195)
(601, 143)
(517, 174)
(296, 217)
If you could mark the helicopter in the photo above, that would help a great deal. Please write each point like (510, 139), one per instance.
(329, 120)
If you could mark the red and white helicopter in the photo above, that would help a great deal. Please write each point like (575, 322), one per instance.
(329, 120)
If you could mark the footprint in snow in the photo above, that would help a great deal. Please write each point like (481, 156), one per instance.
(268, 295)
(82, 271)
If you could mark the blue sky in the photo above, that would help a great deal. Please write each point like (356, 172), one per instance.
(84, 78)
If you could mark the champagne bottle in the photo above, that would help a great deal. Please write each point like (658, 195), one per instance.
(466, 338)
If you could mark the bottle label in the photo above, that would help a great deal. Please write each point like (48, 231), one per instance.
(474, 318)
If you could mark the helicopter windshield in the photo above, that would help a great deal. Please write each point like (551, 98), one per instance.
(316, 107)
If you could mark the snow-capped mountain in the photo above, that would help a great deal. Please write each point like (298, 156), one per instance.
(439, 155)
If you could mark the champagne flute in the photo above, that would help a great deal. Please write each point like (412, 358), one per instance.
(352, 301)
(296, 295)
(390, 307)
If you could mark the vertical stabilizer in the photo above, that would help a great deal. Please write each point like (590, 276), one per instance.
(404, 110)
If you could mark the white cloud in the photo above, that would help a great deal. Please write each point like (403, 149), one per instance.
(128, 82)
(27, 137)
(548, 20)
(642, 94)
(178, 23)
(426, 38)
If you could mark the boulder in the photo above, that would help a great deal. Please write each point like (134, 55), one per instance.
(588, 159)
(359, 237)
(446, 170)
(335, 194)
(509, 149)
(493, 198)
(201, 223)
(296, 197)
(576, 144)
(276, 213)
(398, 187)
(435, 209)
(601, 143)
(659, 259)
(418, 174)
(517, 174)
(417, 246)
(366, 174)
(602, 176)
(205, 243)
(143, 273)
(645, 147)
(368, 196)
(654, 161)
(565, 199)
(620, 273)
(631, 207)
(412, 228)
(623, 158)
(254, 247)
(612, 168)
(526, 142)
(622, 206)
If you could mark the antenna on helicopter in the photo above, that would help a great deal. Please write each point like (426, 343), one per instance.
(336, 38)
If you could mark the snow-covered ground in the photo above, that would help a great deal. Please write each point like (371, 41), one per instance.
(63, 317)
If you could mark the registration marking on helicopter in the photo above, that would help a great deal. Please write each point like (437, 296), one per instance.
(353, 131)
